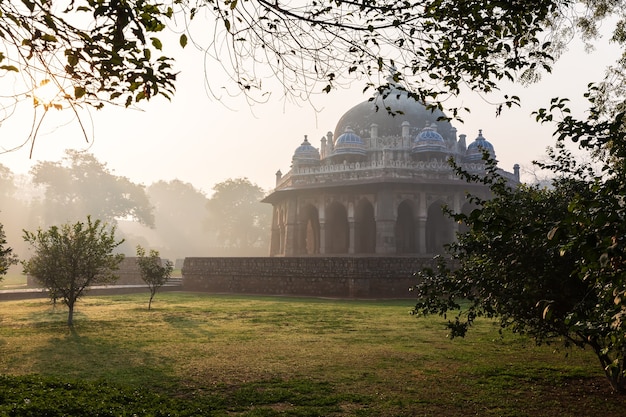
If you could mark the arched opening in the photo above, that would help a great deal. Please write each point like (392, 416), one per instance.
(337, 229)
(405, 229)
(309, 242)
(439, 228)
(365, 228)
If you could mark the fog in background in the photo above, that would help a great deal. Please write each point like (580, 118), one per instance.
(172, 217)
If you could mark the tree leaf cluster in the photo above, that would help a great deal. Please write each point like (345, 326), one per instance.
(68, 259)
(93, 51)
(154, 271)
(547, 262)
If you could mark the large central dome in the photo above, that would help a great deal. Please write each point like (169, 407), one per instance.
(389, 113)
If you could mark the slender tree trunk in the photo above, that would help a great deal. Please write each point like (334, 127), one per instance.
(614, 373)
(151, 297)
(70, 314)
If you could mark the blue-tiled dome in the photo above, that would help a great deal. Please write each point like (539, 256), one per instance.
(475, 149)
(349, 143)
(306, 154)
(428, 140)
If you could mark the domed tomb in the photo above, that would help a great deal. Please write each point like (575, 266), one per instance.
(378, 185)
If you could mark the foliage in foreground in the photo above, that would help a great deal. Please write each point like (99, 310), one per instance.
(70, 258)
(550, 263)
(153, 272)
(95, 52)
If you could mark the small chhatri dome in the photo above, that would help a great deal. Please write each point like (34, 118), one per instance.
(306, 154)
(429, 140)
(475, 149)
(349, 143)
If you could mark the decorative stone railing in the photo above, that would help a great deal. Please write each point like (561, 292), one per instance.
(376, 169)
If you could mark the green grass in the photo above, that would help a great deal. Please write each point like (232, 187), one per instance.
(198, 354)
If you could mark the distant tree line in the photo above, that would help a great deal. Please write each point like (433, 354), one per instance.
(172, 217)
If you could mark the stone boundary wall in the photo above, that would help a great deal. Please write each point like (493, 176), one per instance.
(128, 273)
(341, 277)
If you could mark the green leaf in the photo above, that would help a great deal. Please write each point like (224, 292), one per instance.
(183, 40)
(79, 91)
(9, 68)
(157, 43)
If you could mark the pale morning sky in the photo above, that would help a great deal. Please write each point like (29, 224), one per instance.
(200, 140)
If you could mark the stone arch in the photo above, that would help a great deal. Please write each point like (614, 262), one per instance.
(405, 228)
(337, 229)
(439, 228)
(309, 243)
(364, 228)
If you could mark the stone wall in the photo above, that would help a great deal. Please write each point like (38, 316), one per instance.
(342, 277)
(128, 273)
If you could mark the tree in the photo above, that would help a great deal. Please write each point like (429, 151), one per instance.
(237, 215)
(69, 259)
(80, 185)
(7, 257)
(547, 262)
(153, 272)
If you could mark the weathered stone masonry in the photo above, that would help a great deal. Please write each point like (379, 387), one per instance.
(344, 277)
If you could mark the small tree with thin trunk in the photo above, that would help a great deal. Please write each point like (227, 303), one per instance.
(154, 271)
(70, 258)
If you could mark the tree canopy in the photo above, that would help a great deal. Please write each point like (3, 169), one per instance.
(70, 258)
(547, 262)
(81, 186)
(98, 52)
(154, 271)
(237, 215)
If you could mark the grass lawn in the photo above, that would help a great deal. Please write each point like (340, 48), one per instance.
(199, 354)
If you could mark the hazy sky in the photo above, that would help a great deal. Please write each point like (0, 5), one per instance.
(198, 139)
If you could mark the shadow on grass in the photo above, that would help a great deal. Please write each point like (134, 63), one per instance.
(95, 355)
